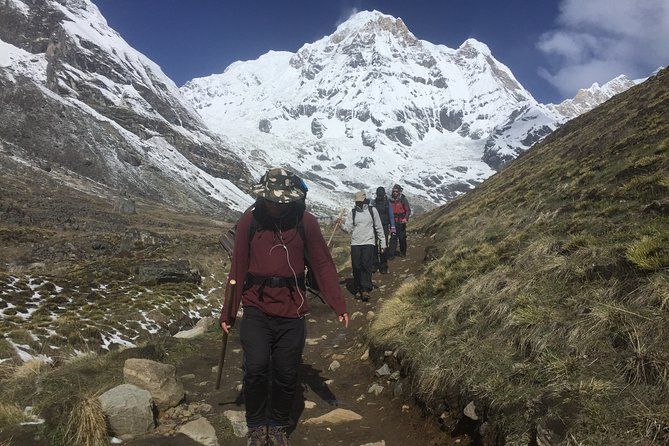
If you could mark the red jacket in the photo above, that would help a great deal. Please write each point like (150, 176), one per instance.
(268, 258)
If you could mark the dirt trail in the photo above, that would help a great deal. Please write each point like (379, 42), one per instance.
(384, 418)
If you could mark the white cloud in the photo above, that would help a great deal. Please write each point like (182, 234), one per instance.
(347, 14)
(597, 40)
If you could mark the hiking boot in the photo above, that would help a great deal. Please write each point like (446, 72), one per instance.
(276, 436)
(257, 436)
(364, 296)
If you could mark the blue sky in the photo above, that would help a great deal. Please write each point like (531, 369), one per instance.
(552, 46)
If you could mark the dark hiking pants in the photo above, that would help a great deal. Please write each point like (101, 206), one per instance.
(276, 343)
(381, 257)
(362, 260)
(401, 237)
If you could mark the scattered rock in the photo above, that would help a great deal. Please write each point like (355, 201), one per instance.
(356, 315)
(198, 330)
(384, 370)
(405, 408)
(239, 387)
(312, 341)
(164, 271)
(159, 379)
(238, 421)
(187, 377)
(388, 353)
(128, 410)
(395, 375)
(336, 416)
(365, 356)
(378, 443)
(329, 382)
(376, 389)
(309, 404)
(334, 365)
(200, 430)
(470, 411)
(398, 388)
(201, 408)
(338, 357)
(370, 315)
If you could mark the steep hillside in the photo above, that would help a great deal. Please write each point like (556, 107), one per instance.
(80, 105)
(547, 303)
(371, 104)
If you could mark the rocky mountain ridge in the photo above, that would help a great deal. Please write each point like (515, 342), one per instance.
(371, 105)
(85, 106)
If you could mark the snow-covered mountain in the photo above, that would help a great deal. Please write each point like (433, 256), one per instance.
(82, 104)
(372, 105)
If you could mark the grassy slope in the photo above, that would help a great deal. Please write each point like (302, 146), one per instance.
(549, 302)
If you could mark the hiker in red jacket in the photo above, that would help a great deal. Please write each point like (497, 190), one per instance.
(271, 266)
(401, 213)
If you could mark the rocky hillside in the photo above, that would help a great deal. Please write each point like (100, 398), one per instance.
(371, 104)
(82, 106)
(543, 310)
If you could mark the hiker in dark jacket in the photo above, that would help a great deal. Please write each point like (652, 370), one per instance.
(271, 266)
(366, 231)
(401, 214)
(385, 210)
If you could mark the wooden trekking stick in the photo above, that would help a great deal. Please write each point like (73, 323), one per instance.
(228, 305)
(337, 224)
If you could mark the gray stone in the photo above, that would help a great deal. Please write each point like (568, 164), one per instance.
(199, 329)
(164, 271)
(370, 315)
(376, 389)
(395, 375)
(398, 388)
(159, 379)
(470, 411)
(128, 410)
(384, 370)
(365, 356)
(264, 125)
(356, 315)
(334, 365)
(378, 443)
(200, 430)
(238, 421)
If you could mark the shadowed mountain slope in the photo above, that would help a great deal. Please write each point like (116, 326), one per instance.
(547, 303)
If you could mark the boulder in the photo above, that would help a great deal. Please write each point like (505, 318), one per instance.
(336, 416)
(128, 410)
(200, 430)
(238, 420)
(159, 379)
(199, 329)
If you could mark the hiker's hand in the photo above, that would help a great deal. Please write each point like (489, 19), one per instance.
(225, 327)
(343, 318)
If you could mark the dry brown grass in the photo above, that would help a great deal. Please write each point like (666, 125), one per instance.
(10, 414)
(86, 424)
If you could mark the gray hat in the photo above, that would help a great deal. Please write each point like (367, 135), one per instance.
(277, 185)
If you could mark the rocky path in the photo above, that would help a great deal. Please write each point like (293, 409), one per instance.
(335, 375)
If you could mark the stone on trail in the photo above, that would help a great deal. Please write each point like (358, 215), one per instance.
(334, 366)
(338, 357)
(238, 420)
(199, 329)
(312, 341)
(356, 315)
(128, 410)
(365, 356)
(395, 375)
(309, 404)
(470, 411)
(336, 416)
(187, 377)
(378, 443)
(370, 315)
(159, 379)
(201, 431)
(375, 389)
(384, 370)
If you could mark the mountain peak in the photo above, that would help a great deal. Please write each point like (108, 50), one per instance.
(473, 44)
(373, 22)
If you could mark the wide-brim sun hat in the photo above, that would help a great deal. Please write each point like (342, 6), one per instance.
(277, 185)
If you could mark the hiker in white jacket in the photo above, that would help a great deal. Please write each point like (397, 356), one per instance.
(367, 231)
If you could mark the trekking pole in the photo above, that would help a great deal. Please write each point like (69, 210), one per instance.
(337, 223)
(228, 305)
